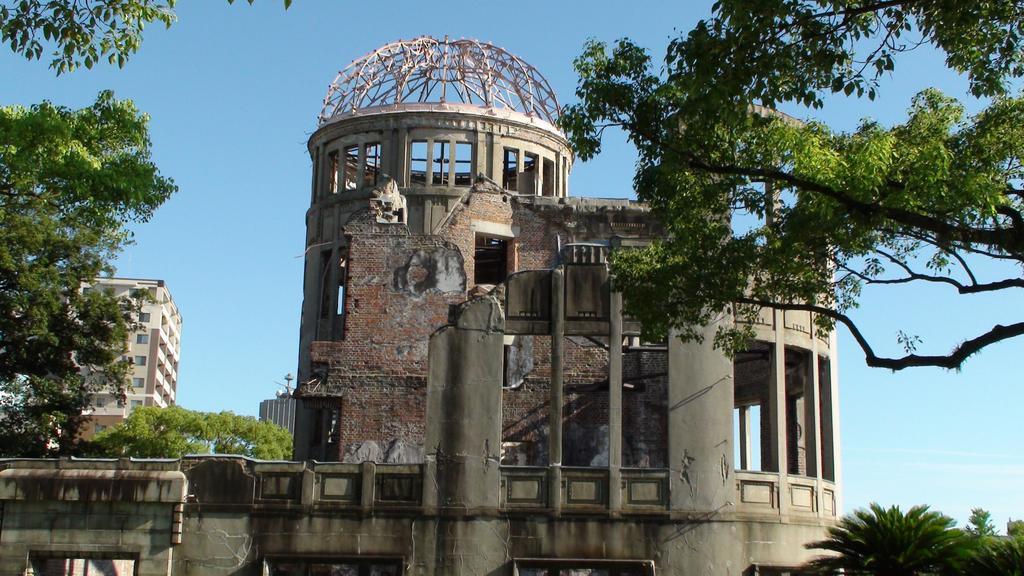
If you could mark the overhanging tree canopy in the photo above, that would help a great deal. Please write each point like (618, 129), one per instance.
(82, 32)
(920, 202)
(69, 182)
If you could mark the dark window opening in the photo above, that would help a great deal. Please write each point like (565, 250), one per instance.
(418, 162)
(828, 462)
(316, 439)
(371, 168)
(799, 413)
(510, 170)
(341, 300)
(334, 567)
(342, 278)
(440, 163)
(491, 260)
(332, 184)
(333, 422)
(752, 373)
(351, 166)
(549, 178)
(528, 185)
(505, 367)
(84, 563)
(325, 280)
(463, 164)
(585, 568)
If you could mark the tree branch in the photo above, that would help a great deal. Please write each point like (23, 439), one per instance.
(953, 360)
(973, 288)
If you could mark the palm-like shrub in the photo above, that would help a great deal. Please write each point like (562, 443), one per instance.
(886, 542)
(997, 557)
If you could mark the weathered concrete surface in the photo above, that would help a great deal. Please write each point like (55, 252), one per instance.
(464, 396)
(252, 519)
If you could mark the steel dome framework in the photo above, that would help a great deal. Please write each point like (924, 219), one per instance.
(426, 69)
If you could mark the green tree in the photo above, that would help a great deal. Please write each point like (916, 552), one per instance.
(928, 201)
(151, 432)
(886, 542)
(82, 32)
(69, 182)
(998, 557)
(979, 524)
(1015, 529)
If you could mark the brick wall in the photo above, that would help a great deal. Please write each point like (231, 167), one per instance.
(399, 290)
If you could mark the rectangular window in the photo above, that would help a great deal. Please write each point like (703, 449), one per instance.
(510, 170)
(81, 565)
(142, 338)
(529, 180)
(752, 369)
(557, 567)
(463, 163)
(351, 166)
(135, 404)
(440, 163)
(549, 178)
(342, 277)
(418, 162)
(747, 430)
(828, 462)
(490, 260)
(335, 567)
(332, 174)
(371, 169)
(140, 361)
(138, 382)
(99, 428)
(144, 316)
(325, 283)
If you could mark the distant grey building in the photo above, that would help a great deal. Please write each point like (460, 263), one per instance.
(280, 411)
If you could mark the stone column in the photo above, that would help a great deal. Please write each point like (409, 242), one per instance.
(615, 403)
(833, 403)
(463, 444)
(555, 413)
(779, 461)
(700, 400)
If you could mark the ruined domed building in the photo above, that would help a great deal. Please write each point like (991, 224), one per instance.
(472, 399)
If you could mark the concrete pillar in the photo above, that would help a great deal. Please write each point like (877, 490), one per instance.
(538, 177)
(700, 400)
(497, 158)
(400, 167)
(834, 419)
(812, 416)
(368, 482)
(481, 155)
(615, 404)
(556, 403)
(464, 402)
(779, 461)
(451, 162)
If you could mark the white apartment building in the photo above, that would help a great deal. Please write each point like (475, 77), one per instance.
(153, 349)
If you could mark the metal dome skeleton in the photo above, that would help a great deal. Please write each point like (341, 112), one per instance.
(426, 69)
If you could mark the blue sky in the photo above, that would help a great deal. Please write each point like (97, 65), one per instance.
(234, 92)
